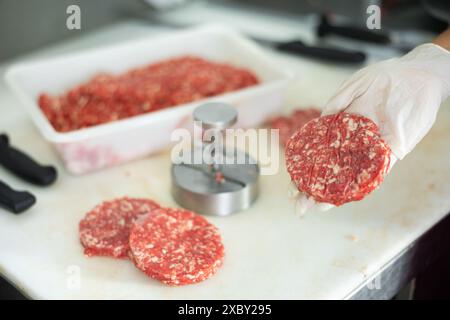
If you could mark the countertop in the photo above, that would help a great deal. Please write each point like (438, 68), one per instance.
(271, 252)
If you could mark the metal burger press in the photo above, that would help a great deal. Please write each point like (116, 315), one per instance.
(223, 181)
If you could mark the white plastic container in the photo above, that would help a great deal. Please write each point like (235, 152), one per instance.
(109, 144)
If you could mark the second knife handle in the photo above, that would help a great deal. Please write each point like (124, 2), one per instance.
(24, 166)
(15, 201)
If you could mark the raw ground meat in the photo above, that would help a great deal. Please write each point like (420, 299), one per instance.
(285, 127)
(105, 230)
(337, 158)
(176, 246)
(108, 97)
(291, 123)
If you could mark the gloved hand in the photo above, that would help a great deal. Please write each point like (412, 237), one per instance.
(401, 95)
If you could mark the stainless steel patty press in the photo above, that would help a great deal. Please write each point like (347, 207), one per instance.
(222, 185)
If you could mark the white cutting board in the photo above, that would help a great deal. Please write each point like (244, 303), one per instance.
(270, 251)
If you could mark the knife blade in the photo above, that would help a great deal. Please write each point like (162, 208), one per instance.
(329, 54)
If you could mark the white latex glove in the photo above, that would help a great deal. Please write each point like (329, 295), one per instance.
(401, 95)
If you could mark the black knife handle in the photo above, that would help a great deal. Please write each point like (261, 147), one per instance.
(322, 53)
(24, 166)
(325, 28)
(15, 201)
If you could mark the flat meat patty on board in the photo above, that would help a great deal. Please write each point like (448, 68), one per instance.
(176, 246)
(337, 158)
(105, 230)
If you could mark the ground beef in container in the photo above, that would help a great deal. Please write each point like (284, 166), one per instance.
(337, 158)
(168, 83)
(176, 246)
(105, 230)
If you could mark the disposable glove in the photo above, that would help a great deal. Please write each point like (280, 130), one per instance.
(401, 95)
